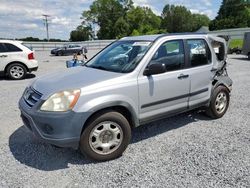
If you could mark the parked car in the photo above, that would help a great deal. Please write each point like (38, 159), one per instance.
(67, 49)
(16, 60)
(96, 106)
(246, 45)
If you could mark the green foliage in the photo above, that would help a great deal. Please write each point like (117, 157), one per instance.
(180, 19)
(30, 39)
(142, 20)
(80, 34)
(232, 14)
(236, 43)
(106, 13)
(40, 40)
(119, 18)
(121, 28)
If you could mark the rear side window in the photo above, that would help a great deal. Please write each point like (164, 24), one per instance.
(199, 52)
(2, 48)
(12, 48)
(171, 54)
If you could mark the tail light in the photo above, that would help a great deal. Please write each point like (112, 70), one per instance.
(31, 56)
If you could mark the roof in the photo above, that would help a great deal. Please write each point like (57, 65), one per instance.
(143, 37)
(155, 37)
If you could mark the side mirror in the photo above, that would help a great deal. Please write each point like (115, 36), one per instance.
(155, 69)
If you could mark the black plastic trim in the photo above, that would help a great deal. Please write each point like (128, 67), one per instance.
(174, 98)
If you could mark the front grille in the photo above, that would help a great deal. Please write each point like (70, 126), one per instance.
(31, 97)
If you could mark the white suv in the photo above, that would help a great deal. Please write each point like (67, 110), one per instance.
(16, 59)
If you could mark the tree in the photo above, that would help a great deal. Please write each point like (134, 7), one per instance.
(142, 20)
(80, 34)
(232, 14)
(121, 28)
(180, 19)
(200, 20)
(177, 19)
(106, 13)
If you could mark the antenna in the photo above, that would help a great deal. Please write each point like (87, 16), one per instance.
(46, 24)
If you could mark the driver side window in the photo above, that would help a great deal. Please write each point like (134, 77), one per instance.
(171, 54)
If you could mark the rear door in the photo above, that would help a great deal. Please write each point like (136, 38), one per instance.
(200, 63)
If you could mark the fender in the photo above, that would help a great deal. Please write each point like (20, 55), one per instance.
(104, 102)
(223, 80)
(118, 103)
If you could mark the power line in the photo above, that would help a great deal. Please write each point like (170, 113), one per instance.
(46, 25)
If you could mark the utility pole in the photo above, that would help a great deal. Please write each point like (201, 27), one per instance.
(46, 25)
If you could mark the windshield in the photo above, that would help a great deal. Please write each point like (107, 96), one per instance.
(121, 56)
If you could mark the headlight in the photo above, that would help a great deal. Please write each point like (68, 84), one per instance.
(62, 101)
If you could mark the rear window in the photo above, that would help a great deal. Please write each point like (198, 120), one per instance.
(12, 48)
(29, 47)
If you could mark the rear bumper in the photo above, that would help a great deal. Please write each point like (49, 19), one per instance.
(33, 69)
(61, 129)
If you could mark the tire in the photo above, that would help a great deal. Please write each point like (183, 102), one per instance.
(248, 56)
(16, 71)
(219, 102)
(106, 136)
(60, 53)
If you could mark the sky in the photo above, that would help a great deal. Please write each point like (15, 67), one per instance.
(23, 18)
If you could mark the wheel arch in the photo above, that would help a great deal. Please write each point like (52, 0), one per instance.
(125, 110)
(222, 81)
(13, 62)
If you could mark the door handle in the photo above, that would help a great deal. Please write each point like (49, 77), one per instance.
(183, 76)
(3, 56)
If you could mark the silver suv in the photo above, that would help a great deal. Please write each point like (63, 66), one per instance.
(133, 81)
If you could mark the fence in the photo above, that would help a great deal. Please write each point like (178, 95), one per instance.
(237, 33)
(91, 45)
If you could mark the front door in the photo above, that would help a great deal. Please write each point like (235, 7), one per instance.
(167, 92)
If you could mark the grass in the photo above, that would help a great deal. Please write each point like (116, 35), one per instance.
(236, 43)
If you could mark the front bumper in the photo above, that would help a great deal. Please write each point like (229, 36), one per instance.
(58, 128)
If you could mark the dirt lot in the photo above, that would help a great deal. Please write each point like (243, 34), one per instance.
(189, 150)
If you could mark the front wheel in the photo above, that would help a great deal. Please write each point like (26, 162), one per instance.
(60, 53)
(219, 102)
(106, 136)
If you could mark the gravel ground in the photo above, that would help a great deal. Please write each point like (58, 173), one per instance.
(188, 150)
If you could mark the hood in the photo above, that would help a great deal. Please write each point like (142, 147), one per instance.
(73, 78)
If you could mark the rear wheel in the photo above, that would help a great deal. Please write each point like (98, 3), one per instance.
(219, 102)
(106, 136)
(16, 71)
